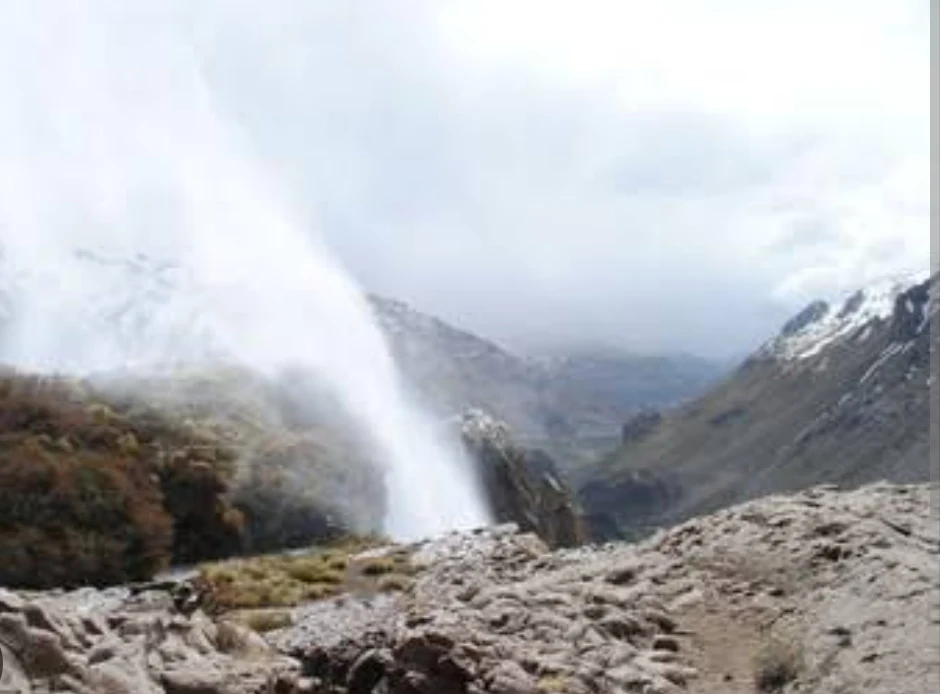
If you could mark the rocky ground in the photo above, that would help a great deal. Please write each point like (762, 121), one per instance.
(821, 591)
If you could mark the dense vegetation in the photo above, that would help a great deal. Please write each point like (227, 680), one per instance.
(93, 495)
(97, 488)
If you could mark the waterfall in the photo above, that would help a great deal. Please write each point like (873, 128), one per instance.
(111, 144)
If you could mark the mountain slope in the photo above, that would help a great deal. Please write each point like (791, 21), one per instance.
(841, 396)
(576, 396)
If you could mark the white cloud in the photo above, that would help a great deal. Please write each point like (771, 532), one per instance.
(673, 175)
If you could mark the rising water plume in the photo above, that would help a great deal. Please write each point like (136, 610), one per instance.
(112, 144)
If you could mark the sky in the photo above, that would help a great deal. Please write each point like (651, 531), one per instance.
(658, 177)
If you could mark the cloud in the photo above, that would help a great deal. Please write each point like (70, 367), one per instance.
(659, 176)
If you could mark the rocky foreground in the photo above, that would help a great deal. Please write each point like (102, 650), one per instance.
(822, 591)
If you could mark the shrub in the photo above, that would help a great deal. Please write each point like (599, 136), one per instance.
(114, 489)
(76, 519)
(379, 566)
(93, 493)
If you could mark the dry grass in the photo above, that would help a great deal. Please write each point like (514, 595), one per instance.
(394, 583)
(278, 581)
(271, 581)
(554, 684)
(266, 620)
(778, 662)
(378, 566)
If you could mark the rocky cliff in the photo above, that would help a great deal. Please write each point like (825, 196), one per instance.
(523, 486)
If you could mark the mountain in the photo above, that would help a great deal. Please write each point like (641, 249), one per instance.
(577, 396)
(573, 397)
(630, 381)
(841, 395)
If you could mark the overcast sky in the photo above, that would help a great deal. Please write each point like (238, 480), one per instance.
(658, 176)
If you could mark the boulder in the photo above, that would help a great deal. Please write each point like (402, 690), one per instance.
(50, 643)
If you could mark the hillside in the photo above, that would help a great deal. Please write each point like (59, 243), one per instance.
(841, 396)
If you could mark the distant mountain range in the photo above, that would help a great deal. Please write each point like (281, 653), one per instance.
(841, 396)
(577, 396)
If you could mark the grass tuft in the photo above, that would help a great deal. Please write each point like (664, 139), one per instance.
(777, 663)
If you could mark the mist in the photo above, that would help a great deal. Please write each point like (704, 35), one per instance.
(115, 152)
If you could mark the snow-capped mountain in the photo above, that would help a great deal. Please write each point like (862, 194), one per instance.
(820, 324)
(840, 396)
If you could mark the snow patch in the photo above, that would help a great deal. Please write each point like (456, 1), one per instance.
(855, 317)
(889, 352)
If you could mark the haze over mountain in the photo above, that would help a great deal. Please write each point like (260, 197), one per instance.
(585, 395)
(576, 396)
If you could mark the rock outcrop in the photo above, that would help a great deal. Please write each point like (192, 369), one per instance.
(121, 641)
(522, 486)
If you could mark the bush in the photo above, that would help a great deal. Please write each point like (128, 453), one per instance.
(93, 494)
(114, 489)
(80, 518)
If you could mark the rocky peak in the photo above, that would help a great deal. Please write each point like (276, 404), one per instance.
(841, 395)
(811, 314)
(480, 429)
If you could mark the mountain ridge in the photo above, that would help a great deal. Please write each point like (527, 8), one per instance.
(839, 396)
(582, 394)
